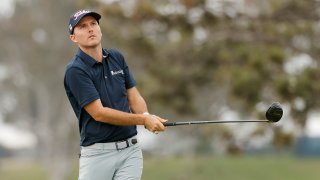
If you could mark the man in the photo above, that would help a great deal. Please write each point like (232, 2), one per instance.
(107, 104)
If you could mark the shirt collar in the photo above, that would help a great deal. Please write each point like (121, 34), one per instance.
(88, 59)
(105, 53)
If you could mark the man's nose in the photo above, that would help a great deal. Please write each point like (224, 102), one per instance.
(90, 28)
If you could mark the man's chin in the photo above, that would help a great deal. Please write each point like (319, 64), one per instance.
(92, 45)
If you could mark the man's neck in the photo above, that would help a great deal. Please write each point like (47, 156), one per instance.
(95, 53)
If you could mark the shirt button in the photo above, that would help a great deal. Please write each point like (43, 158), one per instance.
(106, 77)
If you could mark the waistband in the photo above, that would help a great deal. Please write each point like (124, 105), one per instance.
(119, 145)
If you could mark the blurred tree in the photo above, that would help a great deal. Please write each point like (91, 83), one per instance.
(190, 58)
(184, 46)
(36, 49)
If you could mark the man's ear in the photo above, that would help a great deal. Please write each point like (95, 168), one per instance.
(73, 38)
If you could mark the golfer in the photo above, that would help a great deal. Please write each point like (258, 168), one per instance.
(104, 97)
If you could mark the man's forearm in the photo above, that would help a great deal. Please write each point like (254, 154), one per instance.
(112, 116)
(136, 102)
(139, 106)
(115, 117)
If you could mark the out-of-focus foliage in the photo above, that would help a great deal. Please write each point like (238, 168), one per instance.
(191, 60)
(188, 58)
(245, 53)
(35, 50)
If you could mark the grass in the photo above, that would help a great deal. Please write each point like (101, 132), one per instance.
(195, 167)
(11, 169)
(231, 168)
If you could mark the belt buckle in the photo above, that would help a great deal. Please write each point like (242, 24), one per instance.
(119, 144)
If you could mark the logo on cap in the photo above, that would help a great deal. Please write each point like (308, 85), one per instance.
(79, 13)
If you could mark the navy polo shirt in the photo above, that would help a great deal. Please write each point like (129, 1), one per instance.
(87, 80)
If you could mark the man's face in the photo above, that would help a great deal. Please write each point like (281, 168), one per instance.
(87, 33)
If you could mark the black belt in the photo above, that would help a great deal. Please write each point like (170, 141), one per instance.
(119, 145)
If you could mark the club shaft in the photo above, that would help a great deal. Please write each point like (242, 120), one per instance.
(210, 122)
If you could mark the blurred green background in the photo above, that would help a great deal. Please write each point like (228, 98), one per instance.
(193, 60)
(199, 167)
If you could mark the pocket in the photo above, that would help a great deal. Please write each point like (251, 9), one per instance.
(90, 151)
(137, 150)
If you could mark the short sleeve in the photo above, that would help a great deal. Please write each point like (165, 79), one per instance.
(80, 86)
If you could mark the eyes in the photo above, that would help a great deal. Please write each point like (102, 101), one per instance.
(87, 25)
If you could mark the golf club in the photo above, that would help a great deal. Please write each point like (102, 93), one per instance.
(273, 114)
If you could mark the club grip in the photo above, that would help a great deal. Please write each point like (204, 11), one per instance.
(169, 124)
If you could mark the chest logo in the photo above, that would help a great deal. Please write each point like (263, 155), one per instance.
(117, 72)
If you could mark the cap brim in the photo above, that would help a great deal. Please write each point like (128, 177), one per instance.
(93, 14)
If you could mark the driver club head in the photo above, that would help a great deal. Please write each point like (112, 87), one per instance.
(274, 112)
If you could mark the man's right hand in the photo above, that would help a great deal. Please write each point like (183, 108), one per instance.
(154, 123)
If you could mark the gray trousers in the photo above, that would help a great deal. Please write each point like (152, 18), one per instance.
(98, 162)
